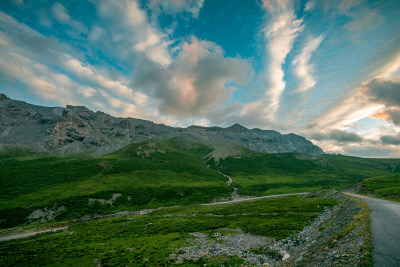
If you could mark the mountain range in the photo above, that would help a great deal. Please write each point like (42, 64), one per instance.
(77, 129)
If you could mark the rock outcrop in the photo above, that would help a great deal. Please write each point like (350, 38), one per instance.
(76, 129)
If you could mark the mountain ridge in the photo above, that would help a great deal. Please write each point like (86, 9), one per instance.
(77, 129)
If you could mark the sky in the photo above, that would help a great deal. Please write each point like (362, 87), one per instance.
(327, 70)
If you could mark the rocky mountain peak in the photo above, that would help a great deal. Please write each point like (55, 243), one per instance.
(77, 129)
(3, 96)
(237, 128)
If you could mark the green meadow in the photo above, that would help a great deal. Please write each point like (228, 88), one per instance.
(159, 173)
(267, 174)
(386, 187)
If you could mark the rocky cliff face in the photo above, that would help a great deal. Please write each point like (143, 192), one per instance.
(76, 129)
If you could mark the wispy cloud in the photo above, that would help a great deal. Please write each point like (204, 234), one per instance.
(303, 68)
(60, 13)
(338, 136)
(280, 34)
(176, 6)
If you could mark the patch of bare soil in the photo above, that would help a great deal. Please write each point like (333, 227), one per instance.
(224, 151)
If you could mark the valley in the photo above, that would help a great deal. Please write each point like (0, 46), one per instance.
(194, 197)
(174, 201)
(200, 133)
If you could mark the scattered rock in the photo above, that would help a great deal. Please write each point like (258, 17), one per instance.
(104, 201)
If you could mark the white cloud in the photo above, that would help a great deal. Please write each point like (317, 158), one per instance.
(176, 6)
(310, 5)
(91, 74)
(41, 80)
(280, 34)
(96, 33)
(198, 80)
(60, 13)
(88, 92)
(355, 105)
(130, 32)
(302, 66)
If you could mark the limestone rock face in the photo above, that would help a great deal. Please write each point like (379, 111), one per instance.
(76, 129)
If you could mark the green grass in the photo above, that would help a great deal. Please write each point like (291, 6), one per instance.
(264, 174)
(387, 187)
(165, 176)
(149, 240)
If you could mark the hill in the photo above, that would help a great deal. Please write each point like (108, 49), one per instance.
(264, 174)
(386, 187)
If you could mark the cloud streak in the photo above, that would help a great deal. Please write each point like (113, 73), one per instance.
(280, 34)
(303, 68)
(60, 13)
(338, 136)
(177, 6)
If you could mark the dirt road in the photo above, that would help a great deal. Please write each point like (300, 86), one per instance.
(253, 198)
(28, 234)
(385, 224)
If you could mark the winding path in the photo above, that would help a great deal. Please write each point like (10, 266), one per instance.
(385, 228)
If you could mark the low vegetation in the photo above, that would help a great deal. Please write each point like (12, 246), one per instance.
(387, 187)
(151, 239)
(266, 174)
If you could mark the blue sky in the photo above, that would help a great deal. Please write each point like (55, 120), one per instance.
(328, 70)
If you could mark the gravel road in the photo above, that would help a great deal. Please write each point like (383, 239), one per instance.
(385, 227)
(253, 198)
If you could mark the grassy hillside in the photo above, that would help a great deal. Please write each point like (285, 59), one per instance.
(387, 187)
(37, 188)
(146, 175)
(263, 174)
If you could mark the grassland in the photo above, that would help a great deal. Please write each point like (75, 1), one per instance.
(158, 173)
(266, 174)
(149, 240)
(150, 174)
(386, 187)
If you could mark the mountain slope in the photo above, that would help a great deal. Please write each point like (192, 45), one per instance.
(149, 174)
(266, 174)
(76, 130)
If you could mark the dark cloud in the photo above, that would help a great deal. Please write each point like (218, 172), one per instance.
(385, 91)
(338, 136)
(391, 139)
(391, 114)
(372, 151)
